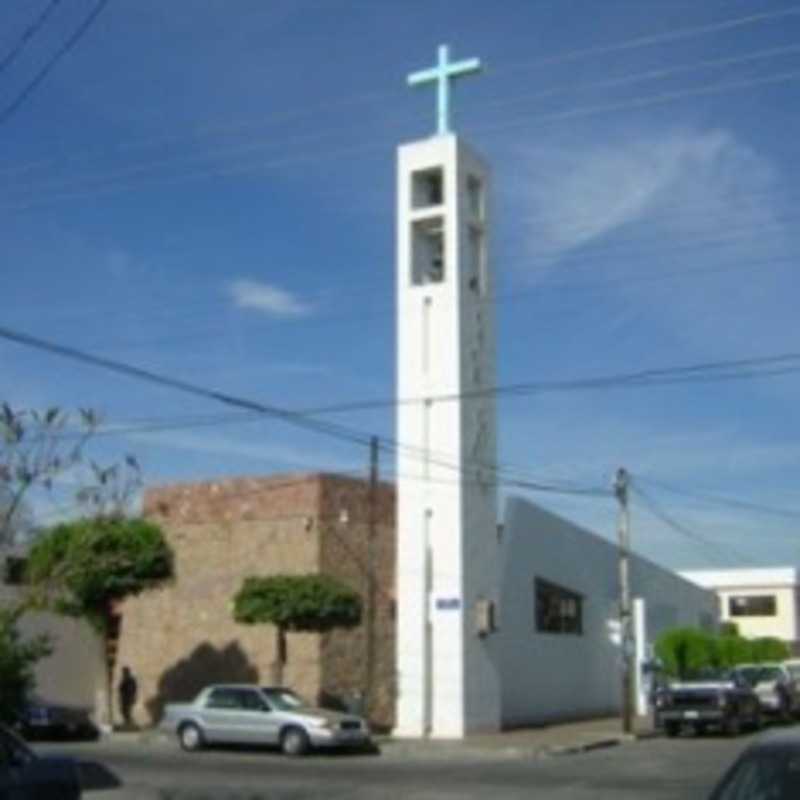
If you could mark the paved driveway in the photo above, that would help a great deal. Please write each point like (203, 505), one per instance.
(659, 768)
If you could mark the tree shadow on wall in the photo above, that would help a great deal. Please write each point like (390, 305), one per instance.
(206, 664)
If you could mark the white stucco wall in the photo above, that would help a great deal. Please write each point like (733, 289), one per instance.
(778, 582)
(73, 673)
(446, 501)
(546, 676)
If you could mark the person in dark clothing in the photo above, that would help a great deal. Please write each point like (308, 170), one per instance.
(128, 689)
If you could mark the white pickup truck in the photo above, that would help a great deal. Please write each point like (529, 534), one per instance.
(251, 714)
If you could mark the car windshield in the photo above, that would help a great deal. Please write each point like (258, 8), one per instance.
(751, 674)
(767, 775)
(708, 674)
(283, 699)
(770, 674)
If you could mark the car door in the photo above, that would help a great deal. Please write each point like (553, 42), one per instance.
(220, 715)
(256, 723)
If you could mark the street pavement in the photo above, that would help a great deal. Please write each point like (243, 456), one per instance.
(657, 768)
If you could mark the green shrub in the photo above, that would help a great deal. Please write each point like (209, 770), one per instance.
(684, 651)
(17, 660)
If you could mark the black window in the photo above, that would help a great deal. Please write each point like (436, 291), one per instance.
(224, 698)
(756, 605)
(557, 610)
(251, 700)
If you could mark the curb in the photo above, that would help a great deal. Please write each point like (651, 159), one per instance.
(599, 744)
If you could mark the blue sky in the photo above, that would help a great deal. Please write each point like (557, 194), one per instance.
(206, 190)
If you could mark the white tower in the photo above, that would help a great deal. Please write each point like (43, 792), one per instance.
(447, 503)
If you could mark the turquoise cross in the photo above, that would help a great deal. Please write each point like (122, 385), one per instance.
(442, 74)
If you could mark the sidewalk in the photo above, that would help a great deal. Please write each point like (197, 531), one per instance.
(546, 740)
(542, 741)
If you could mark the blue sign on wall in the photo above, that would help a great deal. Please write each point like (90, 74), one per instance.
(448, 603)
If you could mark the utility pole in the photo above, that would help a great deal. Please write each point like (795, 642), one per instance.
(370, 615)
(625, 619)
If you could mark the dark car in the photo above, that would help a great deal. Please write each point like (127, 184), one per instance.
(41, 719)
(774, 686)
(768, 768)
(27, 776)
(711, 699)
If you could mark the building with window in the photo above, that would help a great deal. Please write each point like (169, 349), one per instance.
(558, 642)
(73, 673)
(762, 601)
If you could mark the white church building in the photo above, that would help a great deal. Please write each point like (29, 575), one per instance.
(492, 631)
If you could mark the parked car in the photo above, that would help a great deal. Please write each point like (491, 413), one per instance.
(793, 668)
(773, 685)
(41, 719)
(768, 768)
(712, 698)
(250, 714)
(27, 776)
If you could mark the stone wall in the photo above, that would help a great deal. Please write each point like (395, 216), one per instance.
(346, 555)
(181, 637)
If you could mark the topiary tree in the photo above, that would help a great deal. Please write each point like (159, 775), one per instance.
(17, 660)
(684, 651)
(315, 603)
(734, 650)
(84, 568)
(768, 648)
(728, 628)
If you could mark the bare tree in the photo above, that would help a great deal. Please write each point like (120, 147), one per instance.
(36, 447)
(111, 493)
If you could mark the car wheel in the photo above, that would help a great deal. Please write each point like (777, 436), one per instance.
(190, 737)
(758, 721)
(672, 729)
(699, 729)
(294, 742)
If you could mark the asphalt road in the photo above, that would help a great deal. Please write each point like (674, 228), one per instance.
(658, 768)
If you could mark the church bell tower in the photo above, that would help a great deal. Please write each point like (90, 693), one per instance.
(447, 679)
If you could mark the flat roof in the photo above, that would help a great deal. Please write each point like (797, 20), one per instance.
(742, 578)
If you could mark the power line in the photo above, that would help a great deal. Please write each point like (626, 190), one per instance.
(299, 419)
(28, 34)
(708, 371)
(71, 42)
(380, 95)
(714, 548)
(649, 75)
(656, 39)
(111, 185)
(724, 501)
(651, 100)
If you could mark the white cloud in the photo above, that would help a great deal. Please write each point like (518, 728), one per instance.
(268, 299)
(685, 182)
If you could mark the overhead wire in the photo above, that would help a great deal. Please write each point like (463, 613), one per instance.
(28, 34)
(14, 106)
(720, 500)
(715, 549)
(635, 43)
(298, 419)
(656, 39)
(109, 182)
